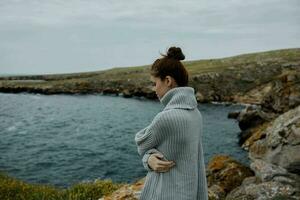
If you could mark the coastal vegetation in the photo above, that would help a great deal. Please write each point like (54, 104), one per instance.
(14, 189)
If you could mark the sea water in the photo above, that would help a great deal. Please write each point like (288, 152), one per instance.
(66, 139)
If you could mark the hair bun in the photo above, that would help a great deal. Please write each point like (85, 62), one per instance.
(175, 53)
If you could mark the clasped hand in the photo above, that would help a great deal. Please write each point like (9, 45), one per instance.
(157, 163)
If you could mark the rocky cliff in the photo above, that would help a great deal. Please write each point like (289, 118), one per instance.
(274, 148)
(247, 78)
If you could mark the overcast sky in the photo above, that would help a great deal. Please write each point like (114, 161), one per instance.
(44, 37)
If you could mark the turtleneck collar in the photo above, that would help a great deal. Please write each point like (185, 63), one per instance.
(179, 97)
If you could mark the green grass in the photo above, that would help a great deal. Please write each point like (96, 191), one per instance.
(220, 64)
(14, 189)
(207, 65)
(139, 75)
(194, 66)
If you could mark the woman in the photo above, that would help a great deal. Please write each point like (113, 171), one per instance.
(171, 146)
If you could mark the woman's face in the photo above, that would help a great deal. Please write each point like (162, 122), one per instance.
(162, 86)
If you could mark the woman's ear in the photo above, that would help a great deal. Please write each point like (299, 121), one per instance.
(170, 81)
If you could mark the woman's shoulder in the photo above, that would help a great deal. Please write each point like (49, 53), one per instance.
(169, 115)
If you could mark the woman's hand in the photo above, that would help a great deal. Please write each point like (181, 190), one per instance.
(156, 163)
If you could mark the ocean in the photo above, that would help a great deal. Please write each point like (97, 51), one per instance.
(66, 139)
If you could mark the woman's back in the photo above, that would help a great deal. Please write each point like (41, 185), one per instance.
(178, 136)
(182, 134)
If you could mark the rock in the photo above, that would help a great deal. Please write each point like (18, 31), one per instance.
(127, 192)
(285, 93)
(270, 182)
(139, 92)
(200, 97)
(126, 93)
(151, 95)
(250, 119)
(224, 174)
(253, 116)
(250, 180)
(255, 95)
(216, 192)
(233, 115)
(275, 159)
(281, 145)
(254, 134)
(263, 191)
(266, 171)
(109, 91)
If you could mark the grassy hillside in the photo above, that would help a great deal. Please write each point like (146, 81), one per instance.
(215, 79)
(194, 67)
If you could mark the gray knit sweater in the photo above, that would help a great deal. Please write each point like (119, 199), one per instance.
(175, 132)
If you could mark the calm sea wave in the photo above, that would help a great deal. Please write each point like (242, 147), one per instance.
(65, 139)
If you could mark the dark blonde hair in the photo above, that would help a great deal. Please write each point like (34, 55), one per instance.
(170, 65)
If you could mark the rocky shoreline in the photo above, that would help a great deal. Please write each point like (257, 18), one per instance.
(274, 172)
(239, 79)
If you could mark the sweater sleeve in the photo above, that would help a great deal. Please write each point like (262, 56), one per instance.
(146, 157)
(151, 136)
